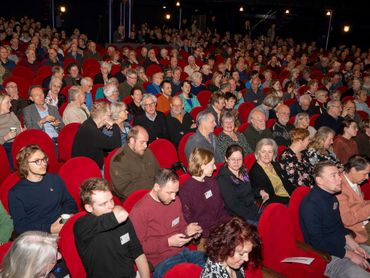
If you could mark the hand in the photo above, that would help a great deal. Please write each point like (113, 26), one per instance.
(108, 124)
(178, 240)
(362, 252)
(48, 118)
(193, 230)
(265, 196)
(56, 226)
(120, 213)
(194, 125)
(10, 135)
(357, 259)
(55, 123)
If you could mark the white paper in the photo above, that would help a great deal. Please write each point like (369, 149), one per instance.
(300, 260)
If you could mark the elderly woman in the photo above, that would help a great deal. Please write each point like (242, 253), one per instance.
(73, 74)
(119, 117)
(229, 247)
(320, 147)
(10, 126)
(294, 161)
(266, 175)
(100, 91)
(103, 76)
(33, 254)
(197, 83)
(302, 120)
(229, 136)
(200, 195)
(190, 100)
(319, 105)
(344, 146)
(235, 186)
(53, 97)
(76, 110)
(111, 93)
(363, 137)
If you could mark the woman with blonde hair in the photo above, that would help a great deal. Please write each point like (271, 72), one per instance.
(302, 120)
(216, 81)
(32, 255)
(200, 195)
(321, 147)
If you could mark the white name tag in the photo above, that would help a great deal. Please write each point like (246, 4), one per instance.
(125, 238)
(175, 221)
(208, 194)
(335, 206)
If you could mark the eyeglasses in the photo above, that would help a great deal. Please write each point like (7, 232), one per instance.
(235, 159)
(38, 162)
(150, 104)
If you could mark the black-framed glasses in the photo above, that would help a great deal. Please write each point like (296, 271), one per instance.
(38, 162)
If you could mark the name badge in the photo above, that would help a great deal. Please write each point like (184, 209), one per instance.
(125, 238)
(176, 221)
(335, 206)
(208, 194)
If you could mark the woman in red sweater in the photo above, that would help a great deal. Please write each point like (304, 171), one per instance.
(344, 146)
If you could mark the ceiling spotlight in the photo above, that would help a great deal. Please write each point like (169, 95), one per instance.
(346, 28)
(241, 9)
(63, 9)
(164, 7)
(328, 13)
(287, 11)
(168, 16)
(178, 3)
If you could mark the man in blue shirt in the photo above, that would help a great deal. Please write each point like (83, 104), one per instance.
(323, 228)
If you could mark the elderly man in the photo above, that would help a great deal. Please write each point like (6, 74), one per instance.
(257, 129)
(154, 87)
(153, 121)
(322, 226)
(332, 117)
(18, 104)
(303, 105)
(56, 72)
(134, 166)
(30, 61)
(280, 130)
(106, 235)
(76, 110)
(192, 66)
(161, 226)
(204, 137)
(354, 210)
(178, 121)
(40, 115)
(86, 86)
(91, 53)
(130, 82)
(164, 99)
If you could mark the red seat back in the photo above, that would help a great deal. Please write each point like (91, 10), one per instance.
(23, 72)
(244, 109)
(75, 171)
(6, 185)
(280, 150)
(107, 161)
(184, 270)
(364, 115)
(40, 138)
(3, 250)
(134, 197)
(195, 111)
(203, 97)
(68, 249)
(183, 178)
(294, 203)
(181, 148)
(313, 119)
(270, 123)
(243, 127)
(65, 140)
(249, 160)
(165, 152)
(4, 162)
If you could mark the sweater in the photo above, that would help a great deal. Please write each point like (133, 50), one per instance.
(156, 129)
(321, 224)
(7, 121)
(34, 206)
(202, 203)
(253, 136)
(344, 148)
(106, 247)
(176, 129)
(6, 224)
(154, 223)
(92, 142)
(130, 171)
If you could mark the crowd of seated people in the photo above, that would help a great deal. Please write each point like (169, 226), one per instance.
(307, 106)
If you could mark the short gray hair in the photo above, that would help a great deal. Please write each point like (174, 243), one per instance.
(271, 100)
(116, 108)
(266, 142)
(30, 254)
(305, 97)
(85, 80)
(73, 92)
(333, 103)
(203, 116)
(148, 96)
(109, 89)
(107, 65)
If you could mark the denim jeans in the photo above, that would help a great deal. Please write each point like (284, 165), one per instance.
(185, 256)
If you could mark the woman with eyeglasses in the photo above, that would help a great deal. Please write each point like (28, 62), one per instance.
(236, 190)
(38, 200)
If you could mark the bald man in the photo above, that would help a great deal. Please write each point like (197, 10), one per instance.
(281, 129)
(257, 129)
